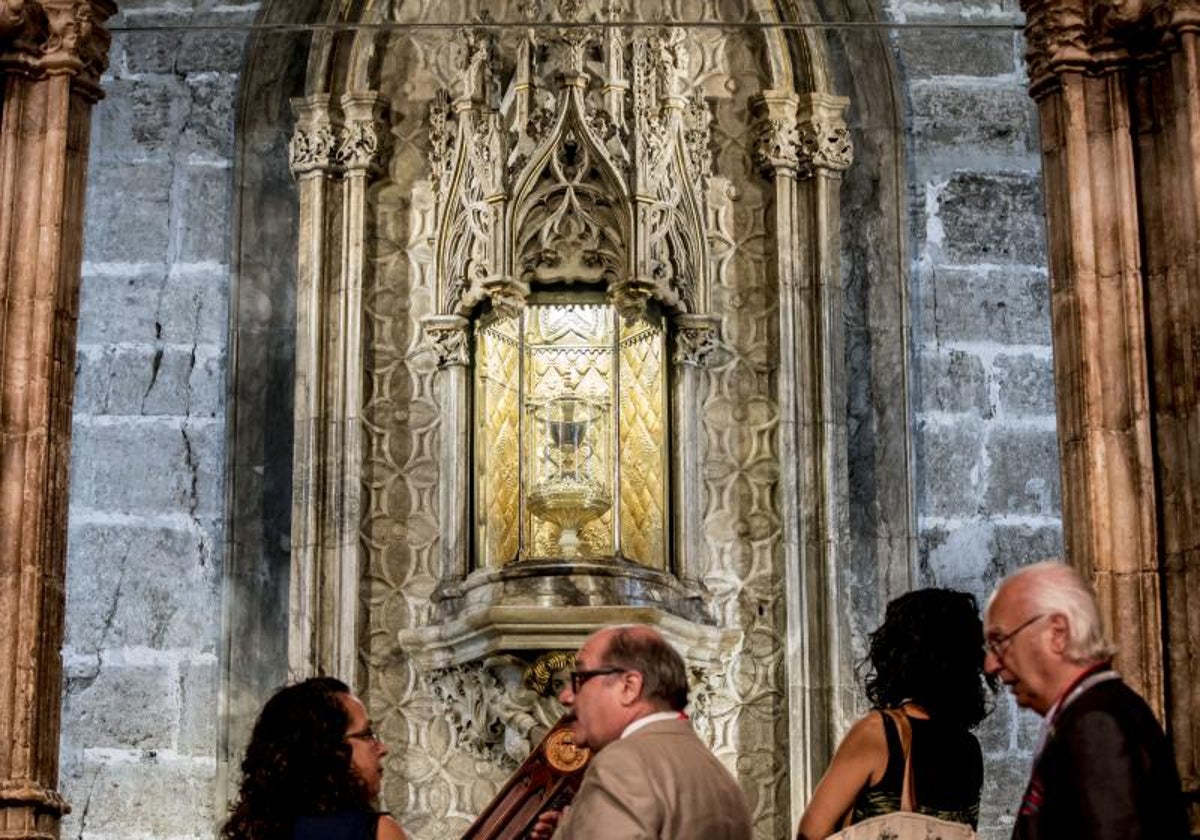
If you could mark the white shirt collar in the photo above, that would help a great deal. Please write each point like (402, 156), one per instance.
(649, 719)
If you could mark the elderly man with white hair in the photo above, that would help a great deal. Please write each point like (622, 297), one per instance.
(1104, 768)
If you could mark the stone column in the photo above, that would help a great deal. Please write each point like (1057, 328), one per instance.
(52, 54)
(803, 145)
(695, 341)
(1117, 90)
(335, 149)
(449, 335)
(1097, 307)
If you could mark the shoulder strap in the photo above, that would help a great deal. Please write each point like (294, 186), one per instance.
(908, 797)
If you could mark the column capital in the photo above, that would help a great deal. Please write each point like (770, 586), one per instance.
(57, 38)
(776, 141)
(1093, 36)
(363, 142)
(824, 138)
(447, 336)
(696, 339)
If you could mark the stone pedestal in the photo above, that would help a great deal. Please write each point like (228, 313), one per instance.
(52, 53)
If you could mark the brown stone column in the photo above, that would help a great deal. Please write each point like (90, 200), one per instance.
(1118, 91)
(52, 53)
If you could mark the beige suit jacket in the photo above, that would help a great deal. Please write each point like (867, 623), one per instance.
(660, 783)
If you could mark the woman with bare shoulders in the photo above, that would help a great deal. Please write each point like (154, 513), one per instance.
(925, 679)
(312, 770)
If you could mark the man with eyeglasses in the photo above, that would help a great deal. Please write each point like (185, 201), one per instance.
(1103, 768)
(651, 777)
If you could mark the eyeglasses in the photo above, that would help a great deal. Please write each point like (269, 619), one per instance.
(578, 678)
(368, 734)
(997, 646)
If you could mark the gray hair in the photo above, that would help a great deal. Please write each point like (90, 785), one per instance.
(1051, 587)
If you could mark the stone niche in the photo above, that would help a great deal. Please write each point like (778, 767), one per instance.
(564, 325)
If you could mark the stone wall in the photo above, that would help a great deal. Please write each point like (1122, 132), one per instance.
(142, 652)
(988, 494)
(145, 543)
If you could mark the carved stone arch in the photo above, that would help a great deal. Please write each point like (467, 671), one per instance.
(542, 179)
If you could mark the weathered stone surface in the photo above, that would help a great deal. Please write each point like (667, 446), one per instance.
(143, 586)
(143, 52)
(149, 379)
(145, 796)
(201, 221)
(993, 217)
(138, 119)
(965, 11)
(208, 124)
(957, 558)
(136, 228)
(146, 467)
(949, 468)
(1023, 476)
(977, 120)
(1020, 545)
(217, 50)
(183, 307)
(198, 704)
(953, 381)
(122, 706)
(992, 305)
(1025, 384)
(926, 53)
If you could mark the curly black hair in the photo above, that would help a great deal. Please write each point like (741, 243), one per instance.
(297, 763)
(929, 651)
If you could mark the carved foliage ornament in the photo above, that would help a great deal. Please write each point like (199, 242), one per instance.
(357, 145)
(42, 37)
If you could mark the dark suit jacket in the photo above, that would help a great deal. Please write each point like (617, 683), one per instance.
(1106, 772)
(660, 783)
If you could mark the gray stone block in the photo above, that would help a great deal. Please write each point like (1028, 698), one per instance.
(993, 218)
(984, 11)
(925, 53)
(204, 210)
(208, 124)
(186, 307)
(128, 207)
(952, 381)
(137, 119)
(143, 586)
(215, 50)
(1023, 476)
(1019, 545)
(984, 120)
(138, 467)
(149, 380)
(948, 458)
(1025, 384)
(124, 707)
(198, 708)
(144, 52)
(957, 558)
(1001, 306)
(147, 797)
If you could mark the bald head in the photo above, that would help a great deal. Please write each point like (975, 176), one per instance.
(637, 647)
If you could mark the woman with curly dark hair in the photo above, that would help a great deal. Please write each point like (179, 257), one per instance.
(927, 689)
(312, 770)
